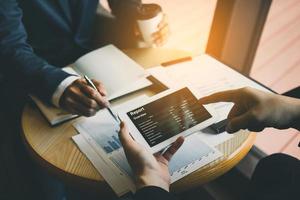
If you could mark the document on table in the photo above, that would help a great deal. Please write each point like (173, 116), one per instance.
(107, 171)
(98, 140)
(206, 75)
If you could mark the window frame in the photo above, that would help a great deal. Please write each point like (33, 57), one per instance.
(235, 32)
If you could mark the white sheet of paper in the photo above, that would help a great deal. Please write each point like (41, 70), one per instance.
(130, 87)
(114, 69)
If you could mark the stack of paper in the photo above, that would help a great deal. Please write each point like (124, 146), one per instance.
(98, 140)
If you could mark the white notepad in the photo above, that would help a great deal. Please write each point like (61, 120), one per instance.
(119, 74)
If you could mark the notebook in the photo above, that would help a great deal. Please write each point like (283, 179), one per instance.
(119, 74)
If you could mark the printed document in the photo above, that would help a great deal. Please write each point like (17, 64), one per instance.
(99, 138)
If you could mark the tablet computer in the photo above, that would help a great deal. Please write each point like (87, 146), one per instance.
(158, 121)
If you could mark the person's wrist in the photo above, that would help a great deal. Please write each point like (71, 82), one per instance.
(293, 111)
(152, 179)
(58, 93)
(296, 123)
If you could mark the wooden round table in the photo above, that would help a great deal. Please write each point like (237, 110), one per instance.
(53, 148)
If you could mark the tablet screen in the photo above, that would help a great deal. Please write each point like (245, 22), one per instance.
(168, 116)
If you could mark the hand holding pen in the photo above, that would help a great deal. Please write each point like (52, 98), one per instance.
(82, 99)
(107, 105)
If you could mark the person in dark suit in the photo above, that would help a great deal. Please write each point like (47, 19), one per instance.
(37, 38)
(275, 177)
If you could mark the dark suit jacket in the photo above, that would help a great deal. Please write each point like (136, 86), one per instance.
(39, 36)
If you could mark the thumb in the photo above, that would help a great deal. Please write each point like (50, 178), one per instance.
(239, 122)
(124, 136)
(173, 148)
(100, 87)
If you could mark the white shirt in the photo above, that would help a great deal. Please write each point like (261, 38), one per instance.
(61, 88)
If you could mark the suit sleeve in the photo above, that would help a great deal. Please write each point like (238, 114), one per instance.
(18, 61)
(124, 9)
(152, 192)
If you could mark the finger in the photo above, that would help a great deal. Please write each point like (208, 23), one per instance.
(161, 40)
(78, 96)
(240, 122)
(256, 128)
(235, 111)
(225, 96)
(163, 22)
(80, 109)
(71, 110)
(161, 37)
(136, 30)
(162, 31)
(173, 148)
(94, 94)
(125, 137)
(100, 87)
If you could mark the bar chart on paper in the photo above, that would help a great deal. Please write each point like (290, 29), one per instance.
(109, 144)
(104, 134)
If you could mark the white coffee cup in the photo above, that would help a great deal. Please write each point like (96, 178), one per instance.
(148, 19)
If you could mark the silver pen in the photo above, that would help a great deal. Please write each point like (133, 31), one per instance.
(91, 84)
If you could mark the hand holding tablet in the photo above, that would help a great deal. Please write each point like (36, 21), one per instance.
(159, 121)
